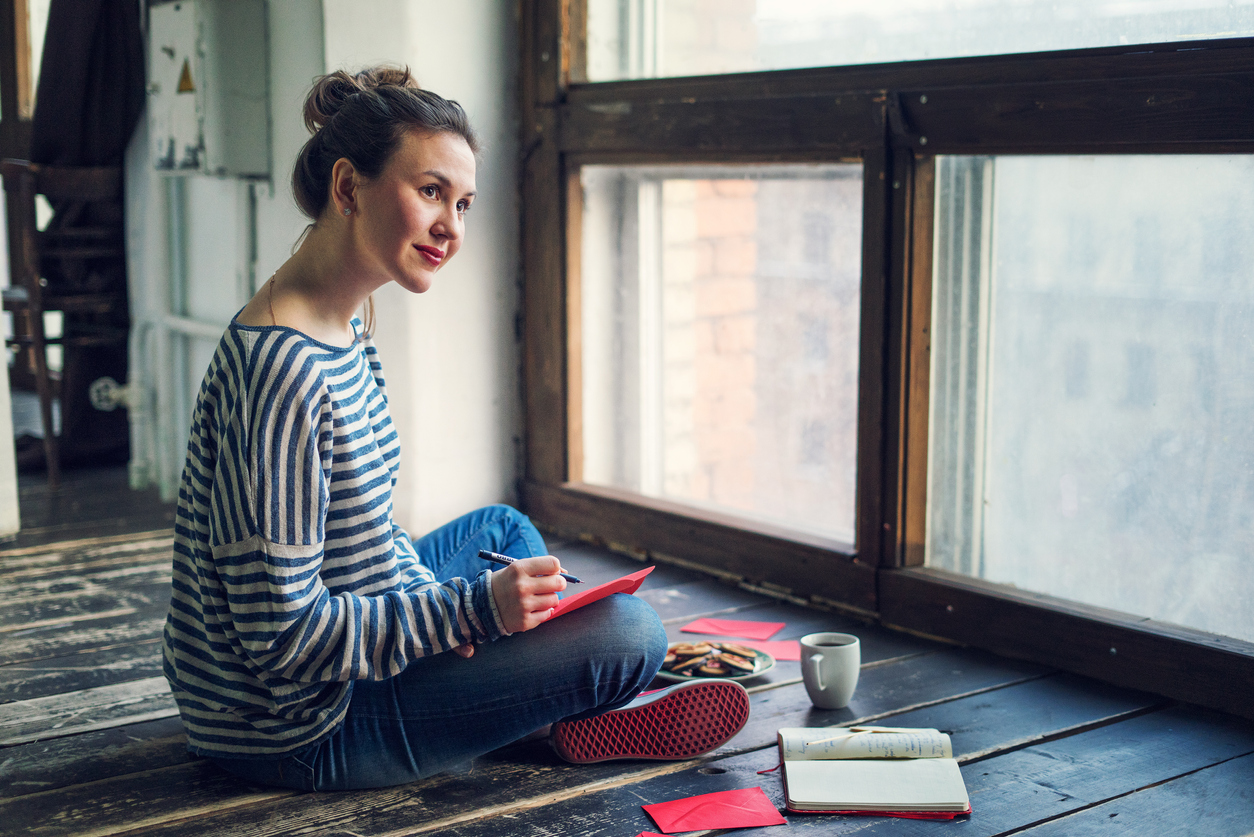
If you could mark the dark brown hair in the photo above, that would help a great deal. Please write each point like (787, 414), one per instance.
(361, 117)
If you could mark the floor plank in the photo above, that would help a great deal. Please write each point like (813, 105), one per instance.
(884, 690)
(88, 669)
(85, 556)
(203, 790)
(83, 711)
(798, 621)
(121, 564)
(1060, 704)
(1217, 801)
(72, 608)
(91, 756)
(697, 598)
(106, 526)
(615, 811)
(494, 781)
(125, 582)
(1006, 792)
(877, 643)
(1042, 782)
(91, 502)
(1043, 751)
(24, 645)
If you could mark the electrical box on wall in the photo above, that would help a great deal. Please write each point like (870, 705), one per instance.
(207, 108)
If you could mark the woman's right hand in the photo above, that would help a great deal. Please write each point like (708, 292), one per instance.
(526, 591)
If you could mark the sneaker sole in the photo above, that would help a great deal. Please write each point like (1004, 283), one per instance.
(687, 721)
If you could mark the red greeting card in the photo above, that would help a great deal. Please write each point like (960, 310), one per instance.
(733, 627)
(627, 584)
(741, 808)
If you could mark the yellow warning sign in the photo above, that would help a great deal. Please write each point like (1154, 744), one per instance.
(185, 78)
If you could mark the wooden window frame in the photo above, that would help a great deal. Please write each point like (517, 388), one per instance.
(17, 93)
(17, 87)
(895, 118)
(17, 98)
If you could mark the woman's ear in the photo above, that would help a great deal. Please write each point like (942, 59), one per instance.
(344, 182)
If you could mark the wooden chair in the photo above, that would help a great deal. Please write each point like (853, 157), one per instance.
(75, 265)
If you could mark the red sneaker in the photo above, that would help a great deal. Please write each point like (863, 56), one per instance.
(680, 722)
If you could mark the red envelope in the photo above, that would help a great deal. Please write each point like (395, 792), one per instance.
(741, 808)
(626, 584)
(648, 834)
(733, 627)
(780, 649)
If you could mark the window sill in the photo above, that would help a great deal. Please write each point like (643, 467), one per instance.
(1119, 648)
(804, 566)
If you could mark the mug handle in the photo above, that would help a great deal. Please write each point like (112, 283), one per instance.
(818, 670)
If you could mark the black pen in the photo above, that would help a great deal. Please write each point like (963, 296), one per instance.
(505, 559)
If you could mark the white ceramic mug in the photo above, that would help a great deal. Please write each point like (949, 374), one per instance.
(829, 665)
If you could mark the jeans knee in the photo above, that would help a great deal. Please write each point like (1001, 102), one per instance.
(508, 517)
(637, 621)
(516, 528)
(499, 512)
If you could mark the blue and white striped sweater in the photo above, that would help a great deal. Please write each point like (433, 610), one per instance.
(290, 580)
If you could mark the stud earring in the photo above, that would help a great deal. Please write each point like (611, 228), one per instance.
(348, 211)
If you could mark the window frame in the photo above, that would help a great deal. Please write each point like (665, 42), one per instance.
(1174, 98)
(17, 93)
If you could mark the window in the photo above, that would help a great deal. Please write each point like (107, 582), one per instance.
(1092, 381)
(656, 38)
(987, 419)
(720, 337)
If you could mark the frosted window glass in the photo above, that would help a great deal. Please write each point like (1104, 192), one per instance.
(1093, 381)
(655, 38)
(720, 338)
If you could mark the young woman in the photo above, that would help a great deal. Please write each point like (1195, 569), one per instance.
(308, 638)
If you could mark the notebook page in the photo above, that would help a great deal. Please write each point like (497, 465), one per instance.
(863, 743)
(876, 784)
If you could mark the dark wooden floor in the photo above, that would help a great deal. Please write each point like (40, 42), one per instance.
(92, 503)
(90, 742)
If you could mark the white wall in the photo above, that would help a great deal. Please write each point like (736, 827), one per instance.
(296, 59)
(10, 516)
(450, 355)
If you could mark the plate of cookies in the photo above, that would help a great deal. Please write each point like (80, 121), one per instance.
(724, 660)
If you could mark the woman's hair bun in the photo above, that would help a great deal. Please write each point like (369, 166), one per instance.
(333, 90)
(361, 117)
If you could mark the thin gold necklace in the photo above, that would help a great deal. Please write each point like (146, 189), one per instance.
(270, 287)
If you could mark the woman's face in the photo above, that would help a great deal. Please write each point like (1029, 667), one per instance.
(410, 219)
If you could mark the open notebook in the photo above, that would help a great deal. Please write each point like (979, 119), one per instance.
(891, 771)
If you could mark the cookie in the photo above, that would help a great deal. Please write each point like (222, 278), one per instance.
(714, 668)
(737, 662)
(690, 665)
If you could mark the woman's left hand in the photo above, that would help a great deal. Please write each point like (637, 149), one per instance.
(467, 650)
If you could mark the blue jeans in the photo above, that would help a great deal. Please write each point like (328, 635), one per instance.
(445, 710)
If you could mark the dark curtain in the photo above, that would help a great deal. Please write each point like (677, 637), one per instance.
(91, 83)
(89, 99)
